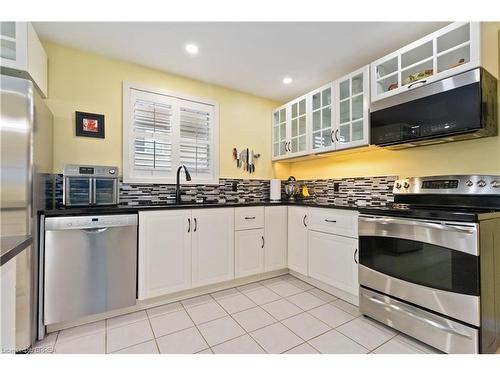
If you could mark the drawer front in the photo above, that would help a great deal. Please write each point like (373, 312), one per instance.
(327, 220)
(248, 218)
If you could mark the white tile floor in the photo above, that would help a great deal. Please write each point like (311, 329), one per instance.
(279, 315)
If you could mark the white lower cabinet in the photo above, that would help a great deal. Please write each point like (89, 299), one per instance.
(275, 235)
(333, 260)
(8, 307)
(297, 239)
(212, 246)
(249, 252)
(164, 252)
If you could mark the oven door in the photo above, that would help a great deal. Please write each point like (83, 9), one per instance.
(105, 191)
(77, 191)
(431, 264)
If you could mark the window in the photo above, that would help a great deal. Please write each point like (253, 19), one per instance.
(162, 130)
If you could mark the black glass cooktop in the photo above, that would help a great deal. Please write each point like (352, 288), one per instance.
(444, 213)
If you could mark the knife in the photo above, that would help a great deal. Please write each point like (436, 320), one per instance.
(243, 160)
(250, 162)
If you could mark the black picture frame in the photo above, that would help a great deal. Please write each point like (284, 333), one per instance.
(86, 122)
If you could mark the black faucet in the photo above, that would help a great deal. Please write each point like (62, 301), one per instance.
(178, 185)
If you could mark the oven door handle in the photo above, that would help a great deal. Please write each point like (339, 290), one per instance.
(423, 319)
(425, 224)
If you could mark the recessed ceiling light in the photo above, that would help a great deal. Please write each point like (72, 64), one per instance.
(287, 80)
(191, 48)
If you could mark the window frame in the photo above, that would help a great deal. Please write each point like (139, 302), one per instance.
(127, 138)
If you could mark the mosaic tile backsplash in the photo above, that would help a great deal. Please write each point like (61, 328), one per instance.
(362, 191)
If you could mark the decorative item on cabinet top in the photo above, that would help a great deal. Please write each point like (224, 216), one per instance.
(245, 159)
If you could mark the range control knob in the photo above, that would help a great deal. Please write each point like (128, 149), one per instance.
(112, 171)
(495, 183)
(481, 183)
(398, 185)
(469, 183)
(406, 185)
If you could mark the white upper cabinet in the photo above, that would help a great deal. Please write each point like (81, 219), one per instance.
(22, 53)
(280, 132)
(352, 110)
(322, 118)
(332, 117)
(299, 117)
(290, 129)
(446, 52)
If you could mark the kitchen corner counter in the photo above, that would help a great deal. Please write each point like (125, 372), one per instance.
(127, 209)
(11, 246)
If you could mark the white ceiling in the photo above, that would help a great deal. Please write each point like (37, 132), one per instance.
(249, 57)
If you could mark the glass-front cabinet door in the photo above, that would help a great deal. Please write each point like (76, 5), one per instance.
(13, 52)
(448, 51)
(322, 119)
(298, 127)
(353, 98)
(280, 132)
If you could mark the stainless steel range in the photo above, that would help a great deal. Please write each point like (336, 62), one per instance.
(429, 264)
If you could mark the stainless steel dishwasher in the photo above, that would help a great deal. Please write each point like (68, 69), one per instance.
(90, 265)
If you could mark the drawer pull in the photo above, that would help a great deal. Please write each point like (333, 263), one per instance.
(249, 217)
(330, 221)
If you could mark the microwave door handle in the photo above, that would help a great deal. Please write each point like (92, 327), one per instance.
(415, 315)
(448, 227)
(423, 82)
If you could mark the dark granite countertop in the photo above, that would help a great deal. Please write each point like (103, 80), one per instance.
(127, 209)
(11, 246)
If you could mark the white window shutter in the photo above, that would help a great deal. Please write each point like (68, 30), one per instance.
(163, 131)
(196, 134)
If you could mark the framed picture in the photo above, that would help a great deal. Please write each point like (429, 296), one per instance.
(89, 125)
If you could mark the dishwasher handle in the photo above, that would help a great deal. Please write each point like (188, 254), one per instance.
(95, 230)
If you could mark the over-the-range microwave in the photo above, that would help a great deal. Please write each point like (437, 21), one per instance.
(460, 107)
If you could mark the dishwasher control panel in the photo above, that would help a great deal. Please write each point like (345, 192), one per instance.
(85, 222)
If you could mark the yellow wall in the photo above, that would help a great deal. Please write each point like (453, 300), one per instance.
(82, 81)
(478, 156)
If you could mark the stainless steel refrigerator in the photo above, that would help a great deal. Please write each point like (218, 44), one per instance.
(25, 169)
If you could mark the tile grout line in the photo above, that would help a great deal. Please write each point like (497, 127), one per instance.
(152, 331)
(244, 330)
(197, 329)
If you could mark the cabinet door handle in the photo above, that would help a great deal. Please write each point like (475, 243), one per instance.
(337, 135)
(331, 136)
(355, 253)
(330, 221)
(249, 217)
(304, 221)
(417, 83)
(263, 242)
(195, 225)
(189, 225)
